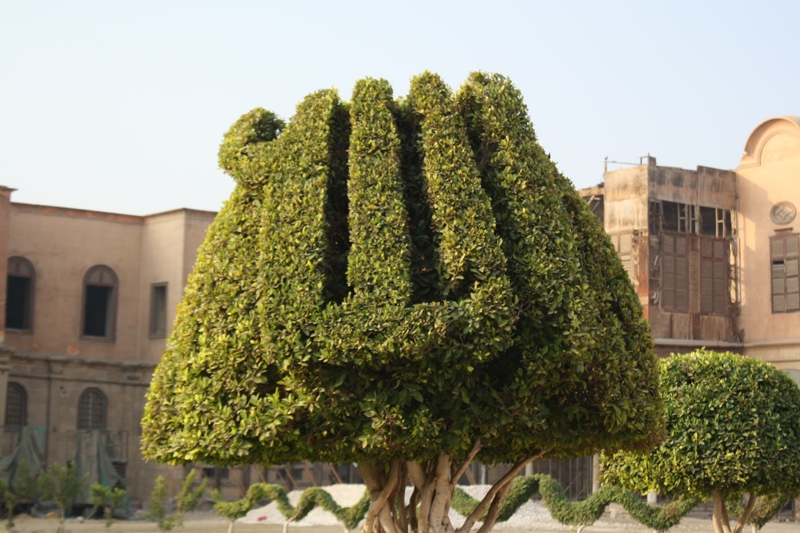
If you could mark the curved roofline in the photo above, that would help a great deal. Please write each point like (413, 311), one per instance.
(756, 139)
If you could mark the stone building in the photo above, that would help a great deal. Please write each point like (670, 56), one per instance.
(90, 298)
(713, 253)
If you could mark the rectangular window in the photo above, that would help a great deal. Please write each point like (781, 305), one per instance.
(18, 303)
(158, 310)
(678, 217)
(96, 320)
(785, 288)
(715, 222)
(675, 273)
(687, 218)
(713, 276)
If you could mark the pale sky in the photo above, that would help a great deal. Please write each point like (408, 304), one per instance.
(121, 106)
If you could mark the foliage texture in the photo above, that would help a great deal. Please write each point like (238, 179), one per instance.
(402, 280)
(733, 427)
(311, 498)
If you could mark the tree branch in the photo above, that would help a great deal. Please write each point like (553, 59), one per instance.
(440, 503)
(426, 499)
(720, 518)
(399, 504)
(467, 527)
(491, 516)
(417, 474)
(461, 469)
(379, 502)
(748, 510)
(725, 519)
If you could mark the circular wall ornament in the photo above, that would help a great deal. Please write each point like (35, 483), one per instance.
(783, 213)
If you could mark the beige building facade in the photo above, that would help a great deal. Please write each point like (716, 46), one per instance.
(90, 298)
(713, 253)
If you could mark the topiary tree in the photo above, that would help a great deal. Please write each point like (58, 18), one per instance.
(409, 284)
(733, 428)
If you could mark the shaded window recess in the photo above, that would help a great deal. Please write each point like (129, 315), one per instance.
(216, 473)
(785, 280)
(675, 273)
(158, 310)
(92, 407)
(690, 219)
(16, 405)
(623, 244)
(714, 272)
(217, 476)
(19, 294)
(99, 303)
(715, 222)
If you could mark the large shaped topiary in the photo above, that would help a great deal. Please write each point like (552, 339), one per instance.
(733, 428)
(406, 284)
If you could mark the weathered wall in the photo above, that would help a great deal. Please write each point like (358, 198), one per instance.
(709, 187)
(625, 203)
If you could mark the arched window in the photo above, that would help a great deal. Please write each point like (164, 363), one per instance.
(16, 405)
(99, 302)
(19, 294)
(92, 410)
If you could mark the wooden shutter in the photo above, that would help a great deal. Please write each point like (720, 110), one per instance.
(714, 266)
(785, 264)
(675, 273)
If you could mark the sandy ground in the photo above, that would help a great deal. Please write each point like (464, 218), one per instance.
(212, 524)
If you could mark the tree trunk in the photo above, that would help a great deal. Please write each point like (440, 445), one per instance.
(720, 518)
(428, 509)
(748, 510)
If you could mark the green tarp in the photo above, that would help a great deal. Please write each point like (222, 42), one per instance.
(93, 460)
(29, 449)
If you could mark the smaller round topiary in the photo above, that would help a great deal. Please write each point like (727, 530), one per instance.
(733, 427)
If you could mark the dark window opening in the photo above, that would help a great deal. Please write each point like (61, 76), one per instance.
(655, 218)
(675, 273)
(680, 218)
(715, 222)
(158, 311)
(19, 294)
(91, 410)
(714, 266)
(669, 214)
(18, 303)
(99, 303)
(785, 258)
(16, 406)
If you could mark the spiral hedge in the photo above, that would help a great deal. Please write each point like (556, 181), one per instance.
(523, 488)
